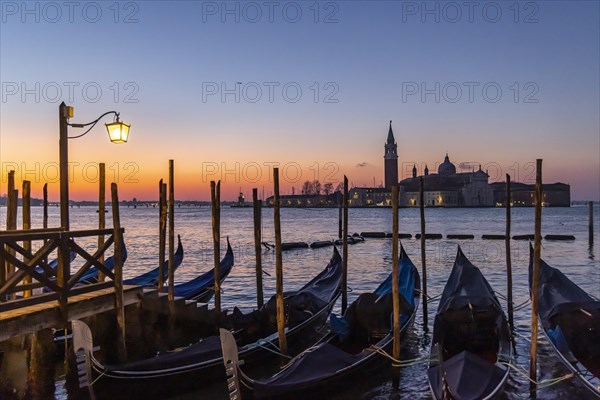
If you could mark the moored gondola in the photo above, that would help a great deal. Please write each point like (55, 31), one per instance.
(471, 347)
(256, 334)
(341, 355)
(570, 320)
(91, 276)
(201, 288)
(150, 278)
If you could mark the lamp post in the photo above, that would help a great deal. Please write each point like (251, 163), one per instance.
(118, 132)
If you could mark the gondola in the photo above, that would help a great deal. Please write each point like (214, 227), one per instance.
(91, 276)
(342, 354)
(201, 288)
(54, 263)
(150, 278)
(570, 319)
(471, 347)
(306, 311)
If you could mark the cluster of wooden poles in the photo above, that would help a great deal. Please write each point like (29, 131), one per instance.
(535, 277)
(166, 206)
(7, 268)
(11, 221)
(343, 230)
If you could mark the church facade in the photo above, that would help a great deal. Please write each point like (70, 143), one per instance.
(448, 188)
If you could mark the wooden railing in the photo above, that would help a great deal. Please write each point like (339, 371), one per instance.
(16, 272)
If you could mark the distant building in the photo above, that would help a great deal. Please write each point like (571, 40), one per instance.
(306, 200)
(448, 188)
(522, 194)
(361, 197)
(390, 160)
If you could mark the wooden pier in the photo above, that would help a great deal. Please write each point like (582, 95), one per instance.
(37, 295)
(18, 319)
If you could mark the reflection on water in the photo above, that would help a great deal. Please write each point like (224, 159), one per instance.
(369, 263)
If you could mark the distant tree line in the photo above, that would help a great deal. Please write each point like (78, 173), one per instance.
(316, 188)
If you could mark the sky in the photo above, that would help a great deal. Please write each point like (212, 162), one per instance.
(231, 89)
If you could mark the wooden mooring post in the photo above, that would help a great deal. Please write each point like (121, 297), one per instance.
(509, 283)
(45, 212)
(45, 207)
(171, 295)
(27, 226)
(11, 222)
(345, 249)
(41, 364)
(591, 223)
(118, 271)
(162, 233)
(101, 213)
(279, 268)
(395, 289)
(535, 286)
(340, 218)
(423, 256)
(215, 194)
(257, 207)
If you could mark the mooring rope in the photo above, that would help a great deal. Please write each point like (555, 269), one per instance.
(515, 307)
(542, 384)
(98, 377)
(503, 297)
(399, 363)
(522, 305)
(263, 344)
(434, 298)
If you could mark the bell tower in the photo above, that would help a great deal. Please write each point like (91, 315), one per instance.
(390, 160)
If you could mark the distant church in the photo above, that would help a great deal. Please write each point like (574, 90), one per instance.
(391, 160)
(448, 188)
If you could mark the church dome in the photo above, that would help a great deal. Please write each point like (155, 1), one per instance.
(446, 168)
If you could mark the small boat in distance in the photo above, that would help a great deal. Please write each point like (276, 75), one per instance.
(570, 319)
(343, 354)
(471, 347)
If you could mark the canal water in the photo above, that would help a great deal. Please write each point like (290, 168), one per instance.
(369, 263)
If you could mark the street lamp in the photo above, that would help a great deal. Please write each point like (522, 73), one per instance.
(118, 132)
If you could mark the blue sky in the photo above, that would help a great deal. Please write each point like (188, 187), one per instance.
(359, 66)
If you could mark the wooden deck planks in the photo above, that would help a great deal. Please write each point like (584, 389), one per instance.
(35, 317)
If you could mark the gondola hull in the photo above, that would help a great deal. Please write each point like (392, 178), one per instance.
(201, 363)
(344, 354)
(472, 347)
(331, 385)
(570, 320)
(158, 384)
